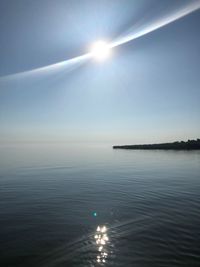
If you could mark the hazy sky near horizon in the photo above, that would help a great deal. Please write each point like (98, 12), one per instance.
(148, 90)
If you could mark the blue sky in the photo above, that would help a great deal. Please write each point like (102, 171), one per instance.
(147, 90)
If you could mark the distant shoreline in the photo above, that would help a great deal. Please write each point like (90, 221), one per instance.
(178, 145)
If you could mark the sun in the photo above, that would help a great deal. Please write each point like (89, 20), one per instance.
(100, 50)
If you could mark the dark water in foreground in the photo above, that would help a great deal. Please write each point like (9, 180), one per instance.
(147, 205)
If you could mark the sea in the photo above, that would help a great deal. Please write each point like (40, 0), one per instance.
(65, 205)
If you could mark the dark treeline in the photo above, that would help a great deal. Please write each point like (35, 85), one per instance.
(188, 145)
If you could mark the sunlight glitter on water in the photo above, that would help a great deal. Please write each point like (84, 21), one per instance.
(101, 239)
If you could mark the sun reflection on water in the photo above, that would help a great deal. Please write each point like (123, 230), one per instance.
(101, 239)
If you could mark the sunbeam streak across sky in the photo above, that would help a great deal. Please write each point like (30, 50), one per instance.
(133, 34)
(161, 22)
(68, 65)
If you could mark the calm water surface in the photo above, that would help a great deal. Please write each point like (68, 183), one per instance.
(78, 205)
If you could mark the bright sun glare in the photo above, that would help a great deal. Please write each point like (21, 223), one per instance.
(100, 50)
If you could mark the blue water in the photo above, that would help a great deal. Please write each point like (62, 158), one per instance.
(90, 205)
